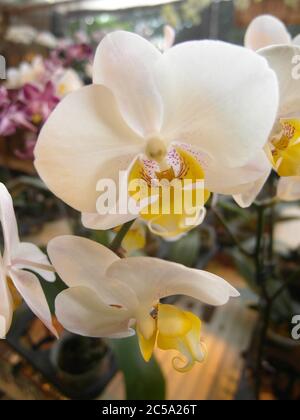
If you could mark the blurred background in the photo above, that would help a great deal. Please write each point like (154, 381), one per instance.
(49, 46)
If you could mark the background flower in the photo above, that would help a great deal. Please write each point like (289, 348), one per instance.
(15, 279)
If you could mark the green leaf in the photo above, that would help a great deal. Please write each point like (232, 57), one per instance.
(144, 381)
(186, 250)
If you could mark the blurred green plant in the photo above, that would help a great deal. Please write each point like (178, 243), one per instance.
(187, 13)
(144, 381)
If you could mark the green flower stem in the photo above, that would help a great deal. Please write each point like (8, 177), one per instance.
(259, 251)
(117, 242)
(266, 310)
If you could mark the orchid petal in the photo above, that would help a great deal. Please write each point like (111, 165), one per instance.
(109, 221)
(202, 110)
(82, 262)
(250, 191)
(31, 290)
(124, 63)
(8, 222)
(169, 37)
(152, 279)
(6, 307)
(83, 141)
(223, 180)
(81, 311)
(30, 255)
(289, 188)
(282, 60)
(264, 31)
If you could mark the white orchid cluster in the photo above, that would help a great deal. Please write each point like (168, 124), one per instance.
(204, 110)
(27, 35)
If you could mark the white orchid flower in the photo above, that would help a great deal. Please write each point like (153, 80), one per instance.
(46, 39)
(284, 142)
(185, 112)
(66, 81)
(265, 31)
(107, 296)
(26, 73)
(16, 282)
(21, 34)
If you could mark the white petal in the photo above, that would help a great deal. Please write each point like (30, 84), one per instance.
(117, 217)
(222, 109)
(230, 181)
(84, 140)
(31, 290)
(80, 261)
(250, 191)
(81, 311)
(289, 188)
(284, 60)
(124, 63)
(33, 255)
(6, 307)
(264, 31)
(152, 279)
(169, 37)
(8, 223)
(109, 221)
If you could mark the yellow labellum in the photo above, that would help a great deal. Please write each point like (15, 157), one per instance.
(285, 150)
(15, 295)
(175, 330)
(179, 199)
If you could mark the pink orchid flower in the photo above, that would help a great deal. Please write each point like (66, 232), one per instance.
(39, 101)
(12, 114)
(15, 280)
(69, 54)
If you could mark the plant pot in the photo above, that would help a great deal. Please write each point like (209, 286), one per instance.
(81, 363)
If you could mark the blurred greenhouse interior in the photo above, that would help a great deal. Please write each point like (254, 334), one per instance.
(252, 343)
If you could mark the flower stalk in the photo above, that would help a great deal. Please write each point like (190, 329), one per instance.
(117, 241)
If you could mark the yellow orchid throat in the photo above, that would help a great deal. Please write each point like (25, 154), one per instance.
(15, 295)
(172, 329)
(285, 149)
(180, 193)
